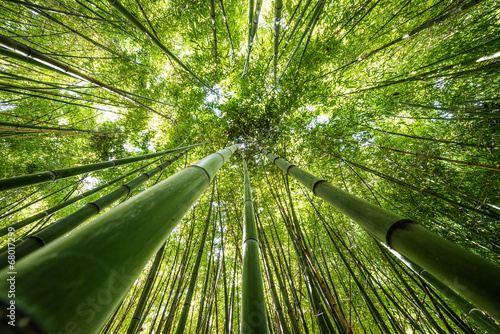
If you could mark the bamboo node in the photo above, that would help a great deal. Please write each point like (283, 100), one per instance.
(315, 184)
(37, 239)
(203, 169)
(400, 224)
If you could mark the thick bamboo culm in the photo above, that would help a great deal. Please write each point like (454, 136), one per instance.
(253, 304)
(27, 180)
(54, 284)
(473, 277)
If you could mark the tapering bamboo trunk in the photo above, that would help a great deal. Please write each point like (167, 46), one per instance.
(470, 275)
(253, 304)
(64, 284)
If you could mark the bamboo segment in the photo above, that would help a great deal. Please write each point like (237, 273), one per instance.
(27, 180)
(75, 283)
(253, 303)
(472, 276)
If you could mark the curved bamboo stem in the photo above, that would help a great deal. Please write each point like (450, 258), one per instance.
(25, 53)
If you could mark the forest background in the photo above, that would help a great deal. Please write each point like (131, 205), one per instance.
(395, 102)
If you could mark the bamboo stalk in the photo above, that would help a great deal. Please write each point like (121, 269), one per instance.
(253, 304)
(227, 27)
(132, 19)
(253, 24)
(472, 276)
(26, 180)
(463, 305)
(306, 6)
(310, 24)
(64, 225)
(278, 6)
(20, 127)
(54, 285)
(145, 291)
(60, 206)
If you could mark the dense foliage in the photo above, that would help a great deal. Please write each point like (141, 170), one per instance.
(393, 101)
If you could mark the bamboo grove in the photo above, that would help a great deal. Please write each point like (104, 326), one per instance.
(304, 166)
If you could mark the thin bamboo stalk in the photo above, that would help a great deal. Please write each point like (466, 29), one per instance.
(429, 24)
(460, 162)
(254, 23)
(227, 27)
(20, 127)
(214, 31)
(145, 291)
(463, 305)
(132, 19)
(60, 206)
(306, 6)
(274, 293)
(26, 180)
(12, 211)
(278, 6)
(310, 24)
(55, 283)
